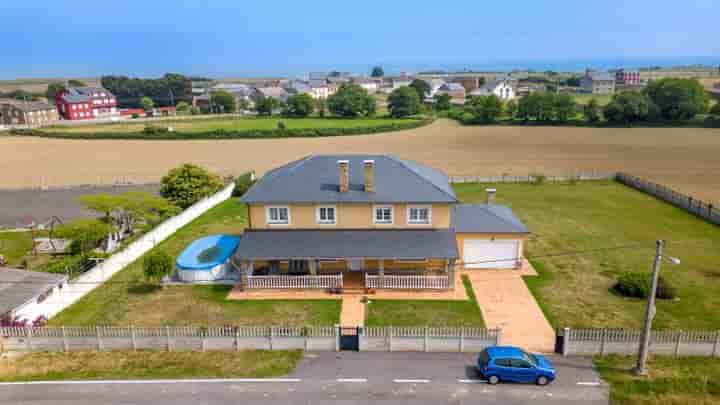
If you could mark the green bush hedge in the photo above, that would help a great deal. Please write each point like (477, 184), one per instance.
(226, 134)
(637, 285)
(242, 184)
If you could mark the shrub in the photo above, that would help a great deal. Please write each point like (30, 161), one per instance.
(156, 265)
(637, 285)
(243, 184)
(281, 126)
(715, 110)
(151, 129)
(538, 178)
(188, 184)
(135, 116)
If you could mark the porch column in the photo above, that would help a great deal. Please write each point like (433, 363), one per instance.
(246, 268)
(450, 270)
(312, 266)
(381, 273)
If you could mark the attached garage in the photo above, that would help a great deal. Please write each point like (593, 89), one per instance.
(491, 254)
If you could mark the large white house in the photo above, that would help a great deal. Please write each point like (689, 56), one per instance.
(503, 87)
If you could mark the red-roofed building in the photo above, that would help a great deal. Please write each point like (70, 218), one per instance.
(84, 103)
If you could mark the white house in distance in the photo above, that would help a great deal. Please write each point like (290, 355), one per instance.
(370, 85)
(502, 87)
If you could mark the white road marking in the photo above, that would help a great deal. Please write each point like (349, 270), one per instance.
(466, 381)
(411, 380)
(594, 384)
(352, 380)
(180, 381)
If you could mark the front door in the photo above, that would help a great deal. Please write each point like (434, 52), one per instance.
(355, 264)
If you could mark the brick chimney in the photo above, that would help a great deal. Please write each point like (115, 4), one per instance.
(369, 172)
(344, 166)
(490, 195)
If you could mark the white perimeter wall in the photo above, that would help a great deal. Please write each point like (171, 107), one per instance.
(78, 288)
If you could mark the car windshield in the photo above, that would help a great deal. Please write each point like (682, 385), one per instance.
(530, 358)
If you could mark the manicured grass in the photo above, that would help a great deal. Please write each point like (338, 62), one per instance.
(147, 364)
(575, 290)
(127, 299)
(14, 246)
(426, 312)
(688, 380)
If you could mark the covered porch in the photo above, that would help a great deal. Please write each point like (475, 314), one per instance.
(342, 260)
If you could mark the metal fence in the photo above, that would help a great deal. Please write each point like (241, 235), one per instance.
(532, 178)
(624, 341)
(231, 338)
(409, 282)
(690, 204)
(280, 281)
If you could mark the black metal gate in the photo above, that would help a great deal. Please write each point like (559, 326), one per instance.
(350, 338)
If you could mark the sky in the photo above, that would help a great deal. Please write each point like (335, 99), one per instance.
(235, 38)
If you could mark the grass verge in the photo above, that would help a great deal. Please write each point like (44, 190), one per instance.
(127, 299)
(147, 365)
(671, 381)
(426, 312)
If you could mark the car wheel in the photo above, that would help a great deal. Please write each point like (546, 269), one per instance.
(493, 379)
(542, 380)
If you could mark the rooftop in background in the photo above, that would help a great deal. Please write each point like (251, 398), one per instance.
(315, 179)
(18, 287)
(27, 105)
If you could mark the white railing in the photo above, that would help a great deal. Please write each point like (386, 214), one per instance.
(331, 281)
(409, 282)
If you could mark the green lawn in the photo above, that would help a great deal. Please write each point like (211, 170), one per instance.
(147, 364)
(687, 380)
(426, 313)
(127, 299)
(228, 124)
(14, 246)
(574, 290)
(584, 98)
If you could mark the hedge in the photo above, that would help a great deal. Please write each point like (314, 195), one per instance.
(225, 134)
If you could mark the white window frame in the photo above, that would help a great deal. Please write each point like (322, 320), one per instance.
(270, 221)
(417, 222)
(320, 221)
(392, 214)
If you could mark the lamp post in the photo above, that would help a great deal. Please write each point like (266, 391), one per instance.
(640, 368)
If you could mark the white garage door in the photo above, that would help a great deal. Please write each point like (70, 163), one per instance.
(490, 254)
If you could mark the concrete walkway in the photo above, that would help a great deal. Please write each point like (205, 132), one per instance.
(507, 303)
(353, 310)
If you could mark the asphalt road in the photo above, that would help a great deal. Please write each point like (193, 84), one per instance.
(331, 378)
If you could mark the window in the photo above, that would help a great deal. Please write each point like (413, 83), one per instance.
(517, 363)
(503, 362)
(325, 215)
(383, 214)
(278, 215)
(418, 215)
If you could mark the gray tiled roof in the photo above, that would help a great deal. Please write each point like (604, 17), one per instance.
(601, 76)
(484, 218)
(28, 105)
(315, 179)
(365, 244)
(20, 286)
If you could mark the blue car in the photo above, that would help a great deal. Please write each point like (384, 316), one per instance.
(507, 363)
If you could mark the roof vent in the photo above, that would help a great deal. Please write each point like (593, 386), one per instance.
(490, 195)
(344, 172)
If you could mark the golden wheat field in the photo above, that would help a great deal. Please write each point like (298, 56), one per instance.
(687, 159)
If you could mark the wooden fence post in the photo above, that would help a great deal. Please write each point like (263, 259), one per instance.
(97, 336)
(132, 338)
(64, 340)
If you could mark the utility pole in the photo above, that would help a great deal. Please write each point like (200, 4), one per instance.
(649, 313)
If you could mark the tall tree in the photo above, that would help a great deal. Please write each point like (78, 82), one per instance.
(300, 105)
(188, 184)
(377, 71)
(511, 107)
(266, 105)
(147, 103)
(86, 234)
(485, 109)
(52, 90)
(224, 101)
(565, 107)
(404, 101)
(351, 100)
(421, 87)
(442, 102)
(591, 111)
(678, 99)
(627, 107)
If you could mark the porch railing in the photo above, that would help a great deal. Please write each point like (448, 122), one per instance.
(284, 281)
(409, 282)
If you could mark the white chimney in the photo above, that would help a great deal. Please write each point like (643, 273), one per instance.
(490, 195)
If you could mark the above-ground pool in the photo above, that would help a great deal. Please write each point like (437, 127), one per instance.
(206, 259)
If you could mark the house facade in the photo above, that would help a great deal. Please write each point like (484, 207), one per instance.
(376, 220)
(84, 103)
(597, 82)
(505, 88)
(18, 112)
(455, 90)
(627, 77)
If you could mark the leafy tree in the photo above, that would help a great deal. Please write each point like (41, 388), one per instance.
(627, 107)
(321, 107)
(485, 109)
(572, 81)
(300, 105)
(243, 184)
(52, 90)
(188, 184)
(442, 102)
(76, 83)
(511, 107)
(86, 234)
(421, 87)
(564, 107)
(377, 71)
(266, 105)
(183, 107)
(351, 100)
(404, 101)
(147, 103)
(715, 110)
(225, 101)
(591, 111)
(156, 265)
(166, 91)
(678, 99)
(125, 211)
